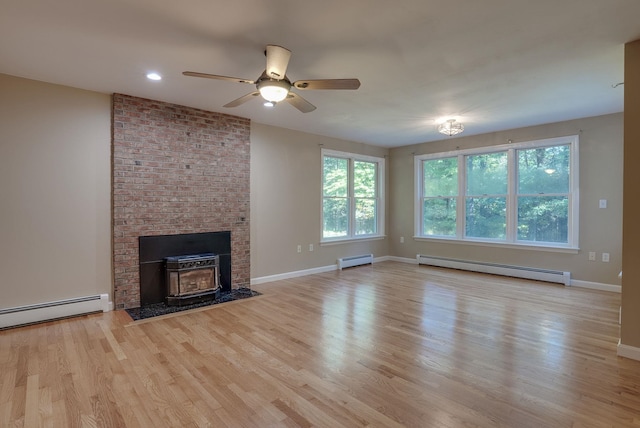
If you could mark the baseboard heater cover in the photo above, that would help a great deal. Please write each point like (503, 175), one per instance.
(41, 312)
(498, 269)
(364, 259)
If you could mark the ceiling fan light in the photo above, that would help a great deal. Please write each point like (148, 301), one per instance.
(274, 90)
(450, 128)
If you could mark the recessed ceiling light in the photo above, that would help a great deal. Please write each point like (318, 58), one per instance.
(154, 76)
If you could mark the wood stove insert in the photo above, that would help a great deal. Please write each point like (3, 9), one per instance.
(192, 277)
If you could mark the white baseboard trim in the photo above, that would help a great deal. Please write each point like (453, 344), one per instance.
(596, 286)
(628, 351)
(305, 272)
(29, 314)
(412, 261)
(294, 274)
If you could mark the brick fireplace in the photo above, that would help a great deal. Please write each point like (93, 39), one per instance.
(176, 170)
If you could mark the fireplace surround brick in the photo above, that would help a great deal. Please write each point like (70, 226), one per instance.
(176, 170)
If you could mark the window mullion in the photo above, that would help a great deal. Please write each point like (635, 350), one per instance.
(461, 203)
(351, 200)
(512, 196)
(418, 209)
(573, 226)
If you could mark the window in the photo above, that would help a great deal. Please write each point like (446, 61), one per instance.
(486, 196)
(544, 194)
(352, 196)
(523, 194)
(440, 178)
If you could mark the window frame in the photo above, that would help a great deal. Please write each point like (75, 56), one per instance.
(380, 196)
(511, 238)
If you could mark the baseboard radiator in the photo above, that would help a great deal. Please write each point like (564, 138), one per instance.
(31, 314)
(345, 262)
(498, 269)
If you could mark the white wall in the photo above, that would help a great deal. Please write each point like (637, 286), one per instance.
(55, 214)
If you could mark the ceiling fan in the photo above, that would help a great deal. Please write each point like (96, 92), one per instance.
(274, 85)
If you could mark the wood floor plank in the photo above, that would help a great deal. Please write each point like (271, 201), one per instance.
(45, 407)
(390, 345)
(32, 401)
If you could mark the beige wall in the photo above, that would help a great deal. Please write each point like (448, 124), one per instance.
(55, 197)
(630, 333)
(601, 152)
(286, 201)
(54, 192)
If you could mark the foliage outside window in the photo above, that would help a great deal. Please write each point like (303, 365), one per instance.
(523, 193)
(486, 196)
(352, 196)
(440, 197)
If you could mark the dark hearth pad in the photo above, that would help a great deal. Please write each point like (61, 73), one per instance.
(162, 309)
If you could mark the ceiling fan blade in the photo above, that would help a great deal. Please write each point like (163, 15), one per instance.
(300, 103)
(277, 61)
(243, 99)
(327, 84)
(217, 77)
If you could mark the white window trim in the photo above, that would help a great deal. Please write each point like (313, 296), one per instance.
(511, 240)
(380, 216)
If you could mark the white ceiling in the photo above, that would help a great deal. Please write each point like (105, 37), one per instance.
(493, 64)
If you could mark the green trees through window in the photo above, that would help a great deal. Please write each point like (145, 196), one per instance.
(486, 196)
(335, 207)
(351, 197)
(521, 193)
(543, 194)
(440, 184)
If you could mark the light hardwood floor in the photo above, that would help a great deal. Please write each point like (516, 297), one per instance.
(387, 345)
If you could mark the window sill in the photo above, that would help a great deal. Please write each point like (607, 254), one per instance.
(529, 247)
(350, 240)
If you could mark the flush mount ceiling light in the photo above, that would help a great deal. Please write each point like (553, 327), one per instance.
(154, 76)
(450, 128)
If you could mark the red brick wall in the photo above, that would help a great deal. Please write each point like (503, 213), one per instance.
(176, 170)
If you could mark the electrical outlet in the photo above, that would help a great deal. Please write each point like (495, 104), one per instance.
(605, 257)
(299, 248)
(402, 239)
(603, 203)
(310, 247)
(592, 256)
